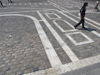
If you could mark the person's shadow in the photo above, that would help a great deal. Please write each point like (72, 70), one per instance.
(88, 29)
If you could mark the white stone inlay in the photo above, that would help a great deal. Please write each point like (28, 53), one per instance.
(89, 40)
(48, 15)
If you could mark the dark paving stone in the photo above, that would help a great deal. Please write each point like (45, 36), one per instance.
(83, 74)
(1, 62)
(6, 68)
(35, 69)
(94, 72)
(2, 73)
(20, 73)
(12, 74)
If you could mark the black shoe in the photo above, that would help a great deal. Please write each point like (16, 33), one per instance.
(84, 27)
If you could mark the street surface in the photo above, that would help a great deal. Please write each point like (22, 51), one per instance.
(38, 37)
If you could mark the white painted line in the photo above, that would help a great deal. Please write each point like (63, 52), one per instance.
(20, 3)
(9, 4)
(93, 21)
(40, 20)
(35, 3)
(48, 15)
(40, 3)
(52, 56)
(45, 3)
(80, 43)
(68, 67)
(62, 30)
(24, 3)
(35, 9)
(96, 33)
(65, 47)
(14, 3)
(59, 7)
(30, 4)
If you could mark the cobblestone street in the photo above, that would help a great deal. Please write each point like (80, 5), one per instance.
(39, 38)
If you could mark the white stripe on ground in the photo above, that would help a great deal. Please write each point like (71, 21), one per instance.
(65, 47)
(51, 54)
(96, 33)
(73, 29)
(68, 67)
(79, 43)
(93, 21)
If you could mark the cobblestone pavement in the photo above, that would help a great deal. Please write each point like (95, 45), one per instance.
(38, 37)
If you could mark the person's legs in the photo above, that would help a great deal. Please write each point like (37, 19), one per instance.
(1, 3)
(9, 1)
(97, 8)
(83, 23)
(78, 23)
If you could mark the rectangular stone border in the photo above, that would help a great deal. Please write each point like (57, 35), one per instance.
(62, 30)
(80, 43)
(47, 14)
(68, 67)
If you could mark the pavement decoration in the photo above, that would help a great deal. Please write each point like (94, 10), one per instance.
(39, 38)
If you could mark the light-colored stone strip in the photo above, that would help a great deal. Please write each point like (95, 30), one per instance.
(51, 54)
(40, 3)
(24, 3)
(68, 67)
(67, 23)
(45, 3)
(20, 3)
(30, 3)
(57, 16)
(89, 40)
(89, 22)
(65, 47)
(35, 9)
(93, 21)
(94, 32)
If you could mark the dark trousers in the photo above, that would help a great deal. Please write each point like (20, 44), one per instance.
(80, 22)
(9, 1)
(1, 3)
(96, 6)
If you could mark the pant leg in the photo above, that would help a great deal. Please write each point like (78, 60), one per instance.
(9, 1)
(83, 23)
(1, 3)
(78, 23)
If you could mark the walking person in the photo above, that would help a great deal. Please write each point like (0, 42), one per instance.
(96, 6)
(1, 3)
(82, 14)
(10, 1)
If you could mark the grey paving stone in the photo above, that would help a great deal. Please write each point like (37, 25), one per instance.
(2, 73)
(94, 72)
(83, 74)
(1, 62)
(13, 74)
(20, 73)
(89, 70)
(28, 71)
(13, 67)
(7, 61)
(35, 69)
(6, 68)
(9, 71)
